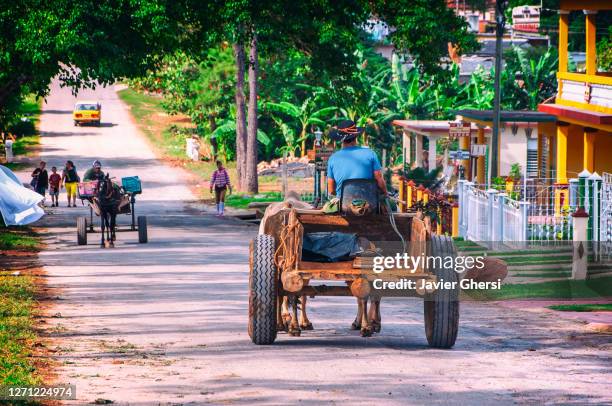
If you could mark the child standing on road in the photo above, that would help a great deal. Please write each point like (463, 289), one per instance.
(54, 186)
(40, 180)
(71, 181)
(220, 181)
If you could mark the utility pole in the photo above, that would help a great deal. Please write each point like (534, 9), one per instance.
(500, 20)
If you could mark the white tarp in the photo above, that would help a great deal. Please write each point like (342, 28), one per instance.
(18, 204)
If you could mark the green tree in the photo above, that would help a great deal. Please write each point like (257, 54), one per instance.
(85, 43)
(329, 31)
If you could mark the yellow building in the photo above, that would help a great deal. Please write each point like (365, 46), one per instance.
(583, 105)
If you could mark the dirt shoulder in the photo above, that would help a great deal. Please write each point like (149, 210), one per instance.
(25, 305)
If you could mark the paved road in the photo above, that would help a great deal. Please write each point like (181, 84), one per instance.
(165, 323)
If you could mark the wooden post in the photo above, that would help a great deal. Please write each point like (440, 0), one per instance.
(464, 144)
(480, 162)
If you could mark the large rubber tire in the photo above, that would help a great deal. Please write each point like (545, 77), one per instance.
(262, 291)
(81, 231)
(442, 307)
(143, 236)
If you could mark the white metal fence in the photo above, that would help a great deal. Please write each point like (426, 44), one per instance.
(490, 216)
(605, 217)
(605, 223)
(477, 204)
(513, 222)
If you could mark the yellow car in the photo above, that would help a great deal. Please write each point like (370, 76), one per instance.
(87, 112)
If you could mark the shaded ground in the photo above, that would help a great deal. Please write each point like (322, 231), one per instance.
(165, 322)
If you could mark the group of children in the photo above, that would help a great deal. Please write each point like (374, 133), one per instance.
(69, 179)
(41, 181)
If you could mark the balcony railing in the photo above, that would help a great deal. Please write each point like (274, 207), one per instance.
(593, 92)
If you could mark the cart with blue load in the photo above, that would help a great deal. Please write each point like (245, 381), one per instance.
(130, 187)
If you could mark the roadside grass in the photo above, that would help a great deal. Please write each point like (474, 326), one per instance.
(17, 239)
(15, 166)
(564, 289)
(24, 144)
(17, 305)
(239, 201)
(204, 170)
(143, 108)
(600, 307)
(30, 108)
(543, 275)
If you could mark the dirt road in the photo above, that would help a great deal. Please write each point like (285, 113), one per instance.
(165, 322)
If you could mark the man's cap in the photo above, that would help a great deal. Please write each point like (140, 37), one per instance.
(345, 131)
(97, 164)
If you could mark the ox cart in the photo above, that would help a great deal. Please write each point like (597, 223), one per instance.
(280, 271)
(130, 187)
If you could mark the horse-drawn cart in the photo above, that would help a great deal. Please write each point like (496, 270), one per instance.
(283, 272)
(126, 203)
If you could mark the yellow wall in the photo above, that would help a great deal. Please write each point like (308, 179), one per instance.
(575, 144)
(603, 152)
(574, 151)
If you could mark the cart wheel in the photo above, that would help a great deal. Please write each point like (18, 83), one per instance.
(442, 307)
(76, 123)
(98, 123)
(262, 291)
(143, 236)
(81, 230)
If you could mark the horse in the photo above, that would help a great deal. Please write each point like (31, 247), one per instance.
(107, 200)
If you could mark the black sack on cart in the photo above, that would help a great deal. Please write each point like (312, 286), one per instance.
(329, 247)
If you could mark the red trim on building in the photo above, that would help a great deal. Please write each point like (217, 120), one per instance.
(561, 111)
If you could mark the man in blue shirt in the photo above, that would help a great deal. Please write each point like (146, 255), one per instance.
(352, 161)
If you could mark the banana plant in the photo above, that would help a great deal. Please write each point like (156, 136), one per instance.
(225, 134)
(478, 94)
(291, 142)
(408, 93)
(303, 116)
(537, 77)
